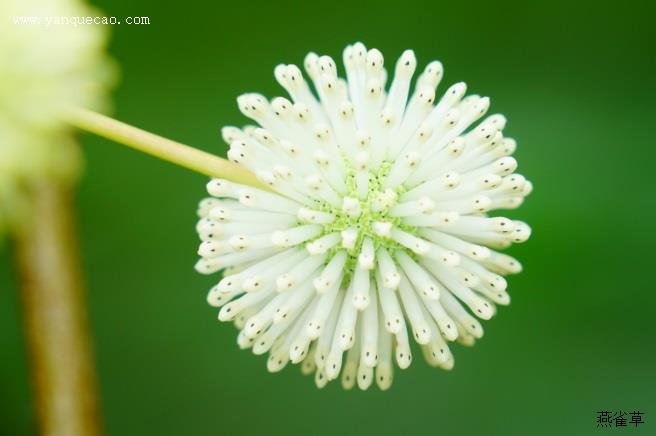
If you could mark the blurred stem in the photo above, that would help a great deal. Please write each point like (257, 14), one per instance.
(55, 314)
(158, 146)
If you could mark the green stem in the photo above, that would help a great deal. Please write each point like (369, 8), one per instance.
(163, 148)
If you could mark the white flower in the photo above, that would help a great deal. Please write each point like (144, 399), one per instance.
(45, 66)
(378, 228)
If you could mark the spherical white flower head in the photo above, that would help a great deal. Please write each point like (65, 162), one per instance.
(377, 230)
(45, 66)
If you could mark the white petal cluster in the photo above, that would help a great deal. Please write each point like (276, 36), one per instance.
(44, 67)
(376, 228)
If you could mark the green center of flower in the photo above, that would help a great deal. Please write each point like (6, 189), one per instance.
(369, 214)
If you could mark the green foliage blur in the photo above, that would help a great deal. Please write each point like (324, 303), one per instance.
(575, 80)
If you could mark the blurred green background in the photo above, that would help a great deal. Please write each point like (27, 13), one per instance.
(575, 80)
